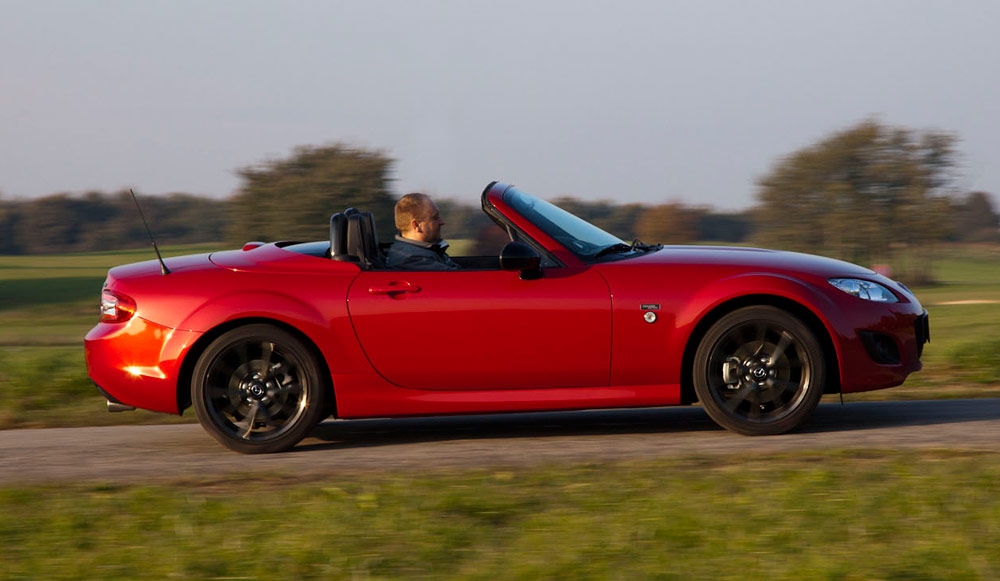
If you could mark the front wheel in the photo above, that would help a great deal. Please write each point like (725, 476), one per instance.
(257, 389)
(758, 371)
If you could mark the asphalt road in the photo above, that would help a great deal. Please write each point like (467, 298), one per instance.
(136, 454)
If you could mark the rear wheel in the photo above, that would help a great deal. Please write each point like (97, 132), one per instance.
(257, 389)
(759, 370)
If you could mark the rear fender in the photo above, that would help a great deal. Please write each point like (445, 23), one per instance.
(257, 304)
(331, 333)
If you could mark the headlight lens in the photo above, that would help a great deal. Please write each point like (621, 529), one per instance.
(864, 289)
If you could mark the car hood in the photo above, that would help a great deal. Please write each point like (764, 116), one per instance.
(751, 258)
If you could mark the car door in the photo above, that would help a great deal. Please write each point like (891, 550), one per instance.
(484, 329)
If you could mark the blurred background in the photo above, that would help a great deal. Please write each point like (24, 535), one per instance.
(854, 129)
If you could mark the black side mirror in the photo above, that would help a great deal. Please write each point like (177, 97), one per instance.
(520, 256)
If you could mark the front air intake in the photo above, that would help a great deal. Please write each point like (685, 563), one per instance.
(881, 347)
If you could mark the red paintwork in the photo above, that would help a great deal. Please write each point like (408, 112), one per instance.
(490, 342)
(559, 327)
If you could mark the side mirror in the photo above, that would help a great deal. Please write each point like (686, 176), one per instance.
(520, 256)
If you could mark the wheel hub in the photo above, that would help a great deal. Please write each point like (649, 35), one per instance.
(255, 388)
(753, 373)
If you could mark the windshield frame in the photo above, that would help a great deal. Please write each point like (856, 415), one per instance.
(581, 238)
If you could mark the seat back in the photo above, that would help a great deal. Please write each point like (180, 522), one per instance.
(338, 239)
(362, 239)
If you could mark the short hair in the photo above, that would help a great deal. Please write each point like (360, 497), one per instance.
(409, 207)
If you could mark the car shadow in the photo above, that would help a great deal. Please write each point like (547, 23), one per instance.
(829, 417)
(834, 417)
(379, 432)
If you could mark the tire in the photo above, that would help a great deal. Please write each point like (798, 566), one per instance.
(257, 389)
(759, 371)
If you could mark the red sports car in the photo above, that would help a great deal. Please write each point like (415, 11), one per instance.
(267, 341)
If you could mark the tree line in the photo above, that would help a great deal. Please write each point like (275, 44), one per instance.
(869, 193)
(106, 221)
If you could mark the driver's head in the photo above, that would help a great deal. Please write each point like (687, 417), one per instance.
(418, 218)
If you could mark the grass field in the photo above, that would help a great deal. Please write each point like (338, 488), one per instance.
(827, 515)
(47, 304)
(831, 515)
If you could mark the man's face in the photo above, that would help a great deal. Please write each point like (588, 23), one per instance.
(429, 229)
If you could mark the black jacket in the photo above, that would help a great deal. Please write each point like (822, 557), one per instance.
(406, 254)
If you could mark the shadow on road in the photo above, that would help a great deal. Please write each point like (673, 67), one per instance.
(830, 417)
(889, 414)
(360, 433)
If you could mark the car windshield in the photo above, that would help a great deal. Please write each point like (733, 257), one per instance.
(579, 236)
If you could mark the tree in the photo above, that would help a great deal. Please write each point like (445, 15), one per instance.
(870, 193)
(8, 216)
(976, 220)
(723, 226)
(293, 198)
(462, 220)
(99, 221)
(670, 223)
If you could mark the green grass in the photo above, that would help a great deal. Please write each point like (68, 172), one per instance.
(962, 359)
(48, 303)
(831, 515)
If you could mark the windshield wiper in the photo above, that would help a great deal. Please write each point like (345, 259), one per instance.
(614, 248)
(639, 245)
(621, 247)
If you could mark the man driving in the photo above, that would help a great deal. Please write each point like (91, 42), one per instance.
(418, 245)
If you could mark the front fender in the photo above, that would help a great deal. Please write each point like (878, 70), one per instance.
(728, 289)
(710, 302)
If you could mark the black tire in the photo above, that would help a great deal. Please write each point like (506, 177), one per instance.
(257, 389)
(759, 371)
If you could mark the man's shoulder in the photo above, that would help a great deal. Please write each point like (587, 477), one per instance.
(407, 254)
(407, 248)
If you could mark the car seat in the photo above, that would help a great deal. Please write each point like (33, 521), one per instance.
(353, 238)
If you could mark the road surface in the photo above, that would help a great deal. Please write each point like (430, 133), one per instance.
(136, 454)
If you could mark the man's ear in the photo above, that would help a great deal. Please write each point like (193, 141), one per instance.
(415, 226)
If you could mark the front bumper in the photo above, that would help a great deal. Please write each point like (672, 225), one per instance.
(885, 351)
(137, 363)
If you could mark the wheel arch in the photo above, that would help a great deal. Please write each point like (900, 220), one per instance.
(185, 375)
(795, 308)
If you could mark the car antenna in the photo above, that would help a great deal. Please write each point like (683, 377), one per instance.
(163, 265)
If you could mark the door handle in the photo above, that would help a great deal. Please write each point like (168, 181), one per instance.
(394, 288)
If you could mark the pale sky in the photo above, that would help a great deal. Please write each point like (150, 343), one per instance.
(642, 101)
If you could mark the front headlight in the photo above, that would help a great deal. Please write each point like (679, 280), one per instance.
(864, 289)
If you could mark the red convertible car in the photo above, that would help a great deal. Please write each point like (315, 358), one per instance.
(267, 341)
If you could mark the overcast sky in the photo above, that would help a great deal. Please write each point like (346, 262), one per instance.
(631, 101)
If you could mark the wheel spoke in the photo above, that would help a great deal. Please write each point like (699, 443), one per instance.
(216, 390)
(754, 398)
(780, 348)
(777, 391)
(268, 348)
(223, 368)
(739, 397)
(251, 419)
(243, 353)
(761, 336)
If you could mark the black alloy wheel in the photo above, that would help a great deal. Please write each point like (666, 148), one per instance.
(257, 389)
(759, 371)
